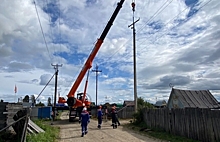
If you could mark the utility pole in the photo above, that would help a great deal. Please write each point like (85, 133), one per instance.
(134, 56)
(96, 70)
(55, 92)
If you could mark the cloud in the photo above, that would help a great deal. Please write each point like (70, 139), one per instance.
(176, 42)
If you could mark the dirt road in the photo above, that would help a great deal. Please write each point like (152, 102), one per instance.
(71, 132)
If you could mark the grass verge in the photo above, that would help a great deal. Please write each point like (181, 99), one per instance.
(158, 134)
(50, 135)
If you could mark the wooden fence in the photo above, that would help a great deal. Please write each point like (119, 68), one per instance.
(3, 117)
(194, 123)
(11, 110)
(126, 113)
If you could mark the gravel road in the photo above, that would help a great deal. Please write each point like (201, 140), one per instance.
(71, 132)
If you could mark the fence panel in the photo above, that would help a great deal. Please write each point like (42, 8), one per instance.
(194, 123)
(3, 117)
(126, 113)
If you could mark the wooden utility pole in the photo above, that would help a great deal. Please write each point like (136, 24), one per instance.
(55, 92)
(97, 71)
(134, 56)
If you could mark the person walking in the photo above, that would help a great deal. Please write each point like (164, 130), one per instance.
(114, 119)
(106, 114)
(84, 121)
(100, 114)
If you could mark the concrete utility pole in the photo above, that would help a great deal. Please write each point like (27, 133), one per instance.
(96, 70)
(55, 92)
(134, 56)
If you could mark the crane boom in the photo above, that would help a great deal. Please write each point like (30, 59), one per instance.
(88, 63)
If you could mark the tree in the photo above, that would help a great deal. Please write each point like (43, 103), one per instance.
(26, 99)
(143, 104)
(139, 116)
(40, 104)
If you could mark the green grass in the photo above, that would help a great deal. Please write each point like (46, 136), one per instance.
(157, 133)
(50, 135)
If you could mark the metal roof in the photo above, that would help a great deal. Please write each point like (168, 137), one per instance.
(195, 98)
(160, 103)
(128, 103)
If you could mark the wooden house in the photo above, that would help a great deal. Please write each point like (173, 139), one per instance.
(192, 99)
(128, 103)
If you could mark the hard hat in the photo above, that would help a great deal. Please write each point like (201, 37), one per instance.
(84, 109)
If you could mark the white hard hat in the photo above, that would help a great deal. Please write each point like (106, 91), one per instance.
(84, 109)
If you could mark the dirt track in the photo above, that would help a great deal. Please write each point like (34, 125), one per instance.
(71, 131)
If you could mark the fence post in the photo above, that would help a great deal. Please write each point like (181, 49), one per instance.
(23, 138)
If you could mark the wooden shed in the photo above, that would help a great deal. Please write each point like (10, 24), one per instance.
(192, 99)
(128, 103)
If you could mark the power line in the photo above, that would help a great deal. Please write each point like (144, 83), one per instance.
(42, 30)
(59, 27)
(161, 35)
(51, 32)
(152, 17)
(157, 13)
(172, 20)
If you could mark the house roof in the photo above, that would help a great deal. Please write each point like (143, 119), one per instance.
(195, 98)
(160, 103)
(129, 103)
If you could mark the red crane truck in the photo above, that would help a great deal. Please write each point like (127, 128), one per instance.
(77, 103)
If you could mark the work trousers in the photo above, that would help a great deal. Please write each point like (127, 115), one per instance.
(84, 128)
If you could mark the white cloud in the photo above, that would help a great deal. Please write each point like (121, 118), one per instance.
(171, 47)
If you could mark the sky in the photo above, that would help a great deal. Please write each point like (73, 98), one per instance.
(177, 45)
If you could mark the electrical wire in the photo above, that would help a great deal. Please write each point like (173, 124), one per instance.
(162, 7)
(161, 35)
(51, 32)
(152, 17)
(156, 13)
(45, 86)
(60, 38)
(42, 31)
(174, 26)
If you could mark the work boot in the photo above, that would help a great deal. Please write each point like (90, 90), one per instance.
(82, 135)
(86, 133)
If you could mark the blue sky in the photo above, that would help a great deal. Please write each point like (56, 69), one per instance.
(177, 42)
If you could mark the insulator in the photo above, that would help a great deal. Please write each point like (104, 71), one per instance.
(133, 6)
